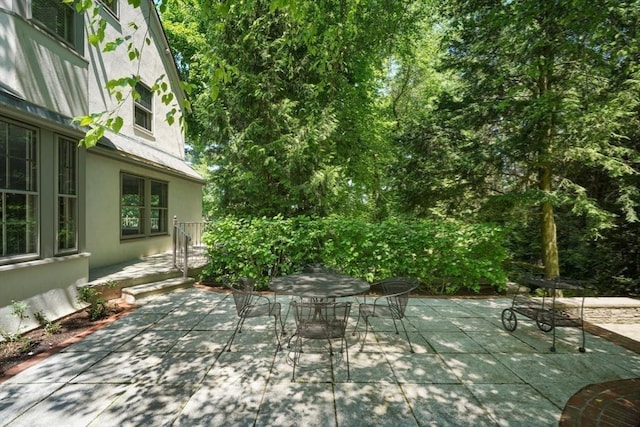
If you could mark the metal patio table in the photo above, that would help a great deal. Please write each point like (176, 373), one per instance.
(318, 285)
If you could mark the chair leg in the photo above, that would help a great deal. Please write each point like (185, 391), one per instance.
(366, 330)
(395, 326)
(356, 327)
(346, 350)
(297, 349)
(282, 326)
(275, 329)
(237, 330)
(291, 337)
(407, 335)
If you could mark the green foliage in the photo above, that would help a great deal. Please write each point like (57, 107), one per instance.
(49, 327)
(18, 310)
(287, 117)
(97, 308)
(516, 89)
(445, 255)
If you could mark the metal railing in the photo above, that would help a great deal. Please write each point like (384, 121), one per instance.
(188, 248)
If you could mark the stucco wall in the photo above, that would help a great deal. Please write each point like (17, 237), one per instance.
(103, 210)
(47, 285)
(154, 62)
(42, 69)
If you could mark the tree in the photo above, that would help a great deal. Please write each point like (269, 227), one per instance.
(434, 172)
(296, 128)
(547, 89)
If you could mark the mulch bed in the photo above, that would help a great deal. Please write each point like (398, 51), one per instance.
(37, 344)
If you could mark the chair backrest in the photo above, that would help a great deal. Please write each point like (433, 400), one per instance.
(321, 320)
(397, 290)
(242, 294)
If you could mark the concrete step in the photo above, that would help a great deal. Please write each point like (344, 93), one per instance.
(138, 292)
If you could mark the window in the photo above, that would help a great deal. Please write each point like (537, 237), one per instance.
(132, 211)
(112, 5)
(67, 195)
(57, 17)
(159, 207)
(18, 190)
(143, 107)
(144, 206)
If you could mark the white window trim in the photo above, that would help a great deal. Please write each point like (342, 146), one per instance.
(115, 13)
(136, 104)
(69, 196)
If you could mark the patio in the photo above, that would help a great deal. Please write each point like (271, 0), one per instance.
(163, 365)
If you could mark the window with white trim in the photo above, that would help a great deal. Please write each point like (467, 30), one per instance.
(18, 190)
(144, 206)
(67, 225)
(111, 5)
(143, 107)
(57, 17)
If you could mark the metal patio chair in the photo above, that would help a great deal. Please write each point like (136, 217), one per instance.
(391, 304)
(250, 304)
(320, 321)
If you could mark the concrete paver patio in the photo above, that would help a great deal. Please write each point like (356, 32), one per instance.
(163, 364)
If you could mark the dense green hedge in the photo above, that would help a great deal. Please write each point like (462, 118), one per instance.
(445, 255)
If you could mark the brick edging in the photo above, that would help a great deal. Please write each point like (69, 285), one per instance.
(615, 403)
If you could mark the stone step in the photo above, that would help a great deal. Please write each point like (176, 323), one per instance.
(138, 292)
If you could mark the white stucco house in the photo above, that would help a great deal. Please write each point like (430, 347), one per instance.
(66, 209)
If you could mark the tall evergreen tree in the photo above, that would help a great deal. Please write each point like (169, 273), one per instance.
(296, 128)
(548, 88)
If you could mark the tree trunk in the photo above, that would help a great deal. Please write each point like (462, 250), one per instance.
(545, 142)
(548, 229)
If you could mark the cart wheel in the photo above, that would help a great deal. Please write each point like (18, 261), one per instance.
(544, 321)
(581, 349)
(509, 320)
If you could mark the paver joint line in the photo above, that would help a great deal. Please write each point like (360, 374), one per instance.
(460, 375)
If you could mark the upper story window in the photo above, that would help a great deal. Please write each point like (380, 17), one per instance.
(143, 107)
(111, 5)
(18, 190)
(57, 17)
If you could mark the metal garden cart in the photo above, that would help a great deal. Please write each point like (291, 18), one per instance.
(546, 311)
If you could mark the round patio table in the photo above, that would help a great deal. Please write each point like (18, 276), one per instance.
(318, 285)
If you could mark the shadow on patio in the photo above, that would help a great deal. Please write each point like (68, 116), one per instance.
(163, 365)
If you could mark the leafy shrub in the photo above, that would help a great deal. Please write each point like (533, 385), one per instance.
(19, 310)
(97, 308)
(445, 255)
(49, 327)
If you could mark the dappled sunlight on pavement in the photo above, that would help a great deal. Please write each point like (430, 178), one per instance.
(165, 364)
